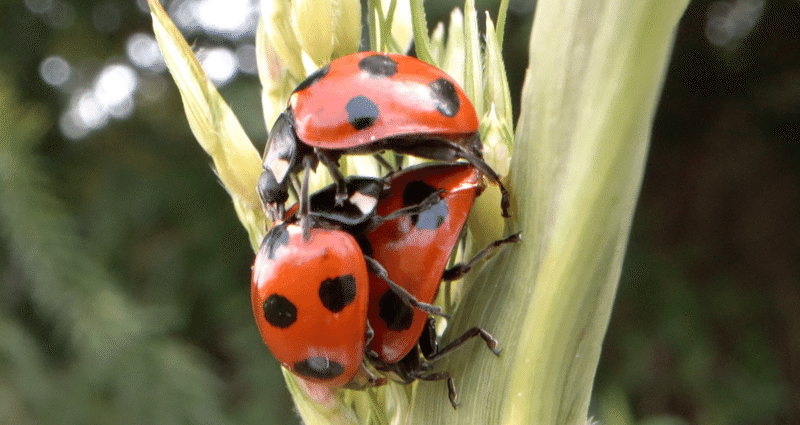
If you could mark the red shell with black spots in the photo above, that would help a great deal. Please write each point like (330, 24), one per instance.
(310, 299)
(368, 96)
(415, 249)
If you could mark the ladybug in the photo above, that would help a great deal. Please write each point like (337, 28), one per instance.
(309, 298)
(365, 103)
(415, 250)
(309, 293)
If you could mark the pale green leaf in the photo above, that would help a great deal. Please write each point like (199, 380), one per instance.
(495, 81)
(348, 28)
(316, 23)
(236, 161)
(278, 22)
(454, 56)
(473, 65)
(595, 74)
(501, 22)
(420, 28)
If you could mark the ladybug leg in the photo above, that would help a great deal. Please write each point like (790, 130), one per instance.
(364, 378)
(398, 159)
(459, 270)
(485, 169)
(423, 206)
(384, 163)
(294, 187)
(451, 385)
(377, 269)
(336, 175)
(305, 202)
(429, 341)
(369, 333)
(472, 332)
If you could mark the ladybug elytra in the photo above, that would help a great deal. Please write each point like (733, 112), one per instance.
(368, 102)
(309, 298)
(415, 250)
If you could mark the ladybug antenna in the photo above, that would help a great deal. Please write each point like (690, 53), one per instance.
(305, 224)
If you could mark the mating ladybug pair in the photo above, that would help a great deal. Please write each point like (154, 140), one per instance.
(349, 275)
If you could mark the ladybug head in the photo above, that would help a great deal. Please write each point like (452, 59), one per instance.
(273, 194)
(284, 153)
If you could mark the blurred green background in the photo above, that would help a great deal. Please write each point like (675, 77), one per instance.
(124, 275)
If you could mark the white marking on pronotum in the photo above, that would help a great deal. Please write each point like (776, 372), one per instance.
(365, 203)
(279, 168)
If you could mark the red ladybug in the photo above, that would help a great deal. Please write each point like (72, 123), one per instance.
(309, 299)
(368, 102)
(309, 293)
(415, 250)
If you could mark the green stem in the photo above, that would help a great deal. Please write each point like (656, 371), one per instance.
(596, 69)
(420, 28)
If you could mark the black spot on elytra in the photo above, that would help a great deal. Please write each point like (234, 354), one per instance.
(319, 368)
(279, 311)
(277, 237)
(378, 66)
(396, 314)
(445, 97)
(313, 78)
(337, 293)
(414, 193)
(361, 112)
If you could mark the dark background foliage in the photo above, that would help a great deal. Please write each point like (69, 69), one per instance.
(124, 274)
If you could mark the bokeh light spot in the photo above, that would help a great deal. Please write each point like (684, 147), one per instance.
(142, 50)
(219, 63)
(246, 56)
(55, 71)
(728, 22)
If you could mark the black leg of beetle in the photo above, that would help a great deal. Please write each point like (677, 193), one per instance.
(451, 385)
(280, 211)
(369, 333)
(336, 175)
(384, 163)
(305, 202)
(364, 378)
(377, 269)
(429, 342)
(470, 333)
(398, 159)
(423, 206)
(459, 270)
(295, 186)
(483, 167)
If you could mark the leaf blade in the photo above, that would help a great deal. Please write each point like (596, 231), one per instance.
(236, 161)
